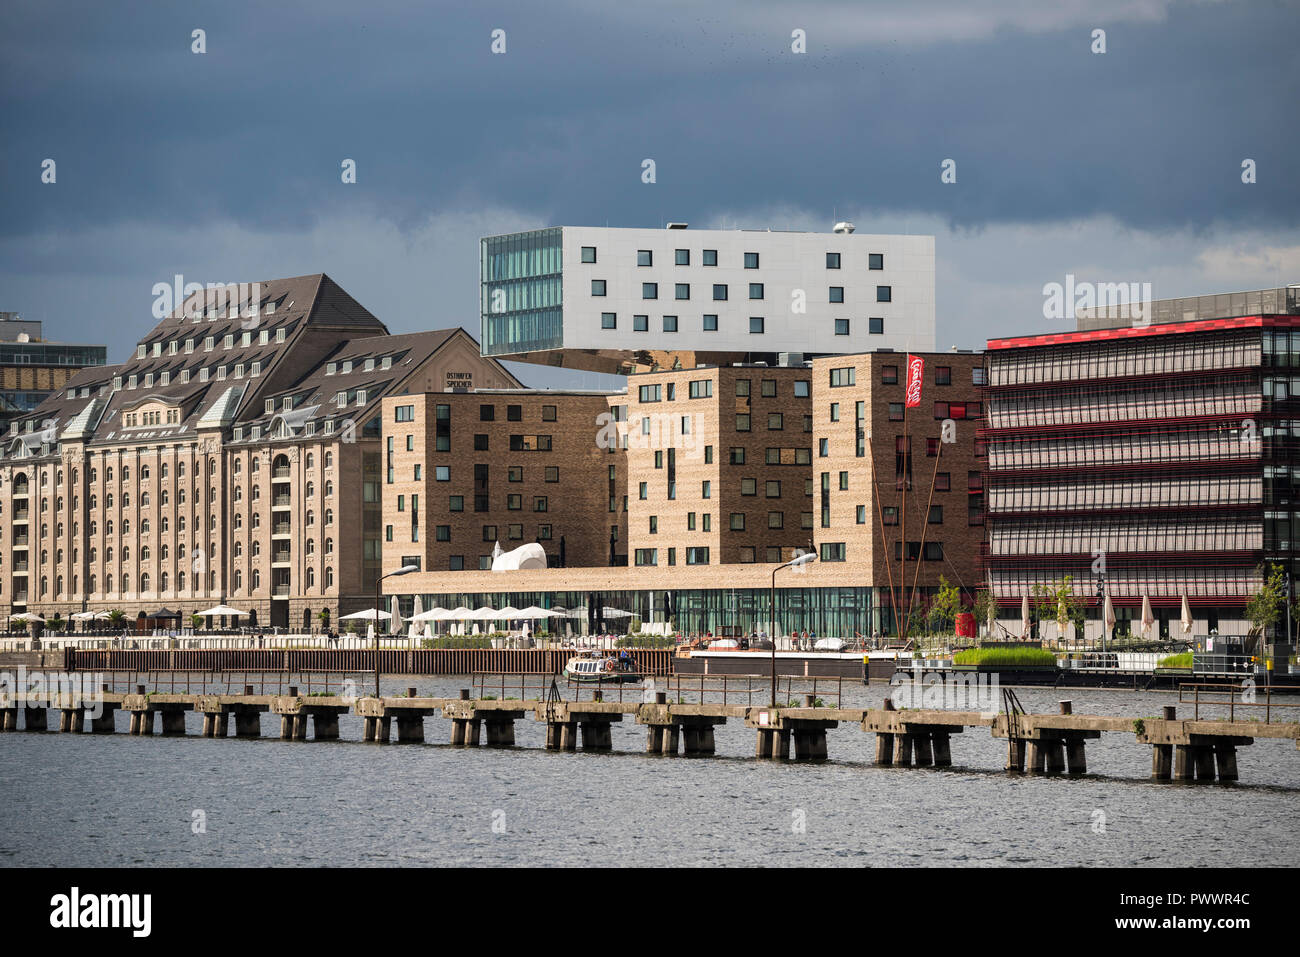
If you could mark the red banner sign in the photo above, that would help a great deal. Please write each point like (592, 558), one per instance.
(915, 366)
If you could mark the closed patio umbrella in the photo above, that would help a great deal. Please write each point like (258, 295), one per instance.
(1148, 619)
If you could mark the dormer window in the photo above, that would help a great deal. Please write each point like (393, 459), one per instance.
(246, 339)
(130, 383)
(341, 399)
(370, 365)
(185, 375)
(157, 348)
(255, 369)
(270, 406)
(279, 334)
(142, 351)
(164, 378)
(269, 308)
(148, 380)
(221, 373)
(228, 341)
(386, 363)
(329, 426)
(239, 370)
(203, 374)
(264, 337)
(287, 404)
(117, 383)
(361, 397)
(347, 366)
(331, 368)
(239, 436)
(172, 347)
(209, 343)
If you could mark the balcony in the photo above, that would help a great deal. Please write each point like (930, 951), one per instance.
(279, 529)
(20, 514)
(280, 557)
(20, 568)
(280, 473)
(20, 541)
(281, 501)
(280, 591)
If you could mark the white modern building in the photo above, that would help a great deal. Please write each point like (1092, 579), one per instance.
(626, 300)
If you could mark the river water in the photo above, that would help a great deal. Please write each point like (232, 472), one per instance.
(117, 800)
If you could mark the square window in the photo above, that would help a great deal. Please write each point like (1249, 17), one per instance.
(884, 294)
(895, 412)
(649, 290)
(876, 326)
(943, 375)
(640, 323)
(442, 473)
(720, 292)
(710, 257)
(589, 254)
(487, 413)
(801, 388)
(682, 290)
(682, 257)
(670, 325)
(755, 324)
(608, 320)
(710, 322)
(841, 327)
(876, 261)
(598, 287)
(755, 290)
(832, 260)
(751, 260)
(837, 293)
(889, 375)
(645, 257)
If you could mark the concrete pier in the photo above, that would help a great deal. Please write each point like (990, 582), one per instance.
(690, 724)
(496, 718)
(296, 710)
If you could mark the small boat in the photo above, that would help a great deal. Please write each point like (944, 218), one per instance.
(607, 669)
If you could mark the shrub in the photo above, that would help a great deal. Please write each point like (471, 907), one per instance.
(1005, 657)
(1183, 660)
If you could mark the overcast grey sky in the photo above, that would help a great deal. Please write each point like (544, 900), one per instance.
(225, 166)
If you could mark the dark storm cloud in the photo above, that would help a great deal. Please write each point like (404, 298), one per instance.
(1152, 132)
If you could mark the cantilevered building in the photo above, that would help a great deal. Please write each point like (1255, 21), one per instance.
(1154, 453)
(236, 457)
(630, 300)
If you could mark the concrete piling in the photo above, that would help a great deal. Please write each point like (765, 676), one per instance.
(173, 722)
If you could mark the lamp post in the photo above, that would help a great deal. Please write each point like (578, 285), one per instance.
(404, 570)
(797, 561)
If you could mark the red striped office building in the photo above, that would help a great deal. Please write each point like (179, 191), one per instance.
(1158, 452)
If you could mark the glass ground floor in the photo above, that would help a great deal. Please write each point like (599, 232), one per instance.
(829, 612)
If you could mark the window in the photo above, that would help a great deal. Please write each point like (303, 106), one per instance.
(832, 551)
(941, 410)
(742, 422)
(775, 421)
(608, 320)
(895, 412)
(876, 326)
(844, 481)
(751, 260)
(645, 257)
(548, 413)
(841, 327)
(823, 448)
(649, 290)
(876, 261)
(776, 519)
(710, 322)
(862, 515)
(456, 503)
(598, 287)
(701, 389)
(706, 489)
(720, 292)
(748, 486)
(742, 387)
(589, 254)
(755, 290)
(837, 294)
(456, 563)
(755, 324)
(843, 377)
(442, 473)
(801, 388)
(670, 323)
(979, 376)
(884, 294)
(403, 413)
(943, 482)
(710, 257)
(682, 257)
(640, 323)
(891, 515)
(832, 260)
(737, 521)
(682, 290)
(487, 413)
(697, 556)
(943, 375)
(647, 556)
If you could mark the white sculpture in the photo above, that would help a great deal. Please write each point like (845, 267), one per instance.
(524, 558)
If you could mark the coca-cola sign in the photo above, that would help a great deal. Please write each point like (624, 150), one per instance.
(915, 366)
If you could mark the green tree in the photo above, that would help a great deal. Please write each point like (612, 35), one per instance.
(1048, 599)
(1267, 605)
(116, 617)
(984, 604)
(944, 607)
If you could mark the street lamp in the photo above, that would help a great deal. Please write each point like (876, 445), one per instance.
(795, 562)
(404, 570)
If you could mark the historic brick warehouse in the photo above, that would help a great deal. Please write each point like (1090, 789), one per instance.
(237, 457)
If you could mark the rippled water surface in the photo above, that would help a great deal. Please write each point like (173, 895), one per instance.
(94, 800)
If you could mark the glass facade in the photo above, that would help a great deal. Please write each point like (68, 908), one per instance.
(520, 292)
(839, 612)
